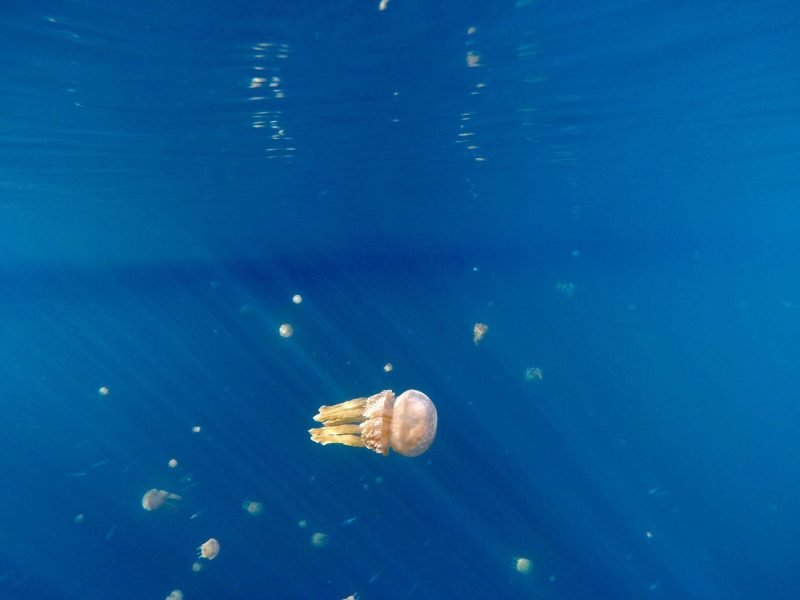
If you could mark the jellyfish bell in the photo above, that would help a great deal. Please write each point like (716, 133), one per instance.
(253, 507)
(155, 498)
(522, 564)
(479, 330)
(405, 423)
(208, 549)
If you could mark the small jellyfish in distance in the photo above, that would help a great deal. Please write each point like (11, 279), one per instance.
(175, 595)
(208, 549)
(478, 331)
(252, 507)
(406, 423)
(522, 564)
(319, 539)
(154, 498)
(534, 374)
(286, 330)
(567, 289)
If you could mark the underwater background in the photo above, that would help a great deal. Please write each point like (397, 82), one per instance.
(612, 187)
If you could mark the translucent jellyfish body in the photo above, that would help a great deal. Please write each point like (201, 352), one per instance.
(154, 498)
(478, 331)
(406, 423)
(208, 549)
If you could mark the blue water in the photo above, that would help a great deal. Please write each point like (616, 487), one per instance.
(611, 186)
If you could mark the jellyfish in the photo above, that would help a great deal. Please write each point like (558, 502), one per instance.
(154, 498)
(522, 564)
(253, 507)
(405, 424)
(478, 331)
(209, 549)
(175, 595)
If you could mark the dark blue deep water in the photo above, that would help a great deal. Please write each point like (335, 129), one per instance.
(611, 186)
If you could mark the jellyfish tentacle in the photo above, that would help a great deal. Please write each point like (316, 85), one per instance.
(346, 409)
(353, 415)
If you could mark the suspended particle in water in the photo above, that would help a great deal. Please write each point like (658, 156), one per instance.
(533, 374)
(253, 507)
(175, 595)
(297, 298)
(196, 429)
(387, 368)
(173, 462)
(479, 330)
(522, 564)
(286, 330)
(154, 498)
(102, 390)
(302, 523)
(406, 423)
(79, 518)
(319, 539)
(208, 549)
